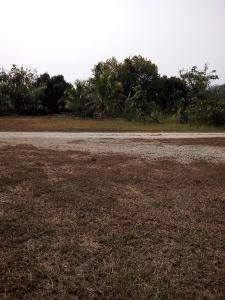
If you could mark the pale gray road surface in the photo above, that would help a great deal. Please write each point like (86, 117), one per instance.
(106, 135)
(147, 145)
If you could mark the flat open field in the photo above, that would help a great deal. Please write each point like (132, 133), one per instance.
(71, 124)
(107, 218)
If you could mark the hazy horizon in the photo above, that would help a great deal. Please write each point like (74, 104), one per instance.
(69, 37)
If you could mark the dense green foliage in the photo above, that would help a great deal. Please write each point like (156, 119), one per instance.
(132, 89)
(22, 91)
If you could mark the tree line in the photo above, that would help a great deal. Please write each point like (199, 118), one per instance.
(132, 89)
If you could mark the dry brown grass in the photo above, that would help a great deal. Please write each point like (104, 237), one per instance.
(109, 227)
(71, 124)
(215, 141)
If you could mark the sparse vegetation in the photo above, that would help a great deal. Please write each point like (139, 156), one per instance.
(115, 227)
(72, 124)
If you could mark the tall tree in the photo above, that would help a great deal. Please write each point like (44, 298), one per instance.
(174, 92)
(54, 94)
(17, 84)
(198, 81)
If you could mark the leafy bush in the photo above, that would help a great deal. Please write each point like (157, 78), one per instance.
(207, 112)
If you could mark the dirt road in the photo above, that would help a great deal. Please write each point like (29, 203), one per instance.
(182, 147)
(106, 135)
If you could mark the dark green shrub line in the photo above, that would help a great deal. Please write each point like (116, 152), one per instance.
(132, 89)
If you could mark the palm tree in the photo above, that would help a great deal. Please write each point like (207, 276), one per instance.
(77, 97)
(105, 93)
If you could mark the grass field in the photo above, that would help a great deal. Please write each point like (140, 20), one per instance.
(71, 124)
(109, 227)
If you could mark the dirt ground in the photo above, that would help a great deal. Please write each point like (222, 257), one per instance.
(184, 147)
(112, 225)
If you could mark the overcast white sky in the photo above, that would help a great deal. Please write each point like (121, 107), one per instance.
(70, 36)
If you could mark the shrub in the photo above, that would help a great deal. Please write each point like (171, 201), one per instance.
(207, 112)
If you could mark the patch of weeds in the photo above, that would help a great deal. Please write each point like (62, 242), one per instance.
(160, 291)
(166, 204)
(112, 242)
(128, 279)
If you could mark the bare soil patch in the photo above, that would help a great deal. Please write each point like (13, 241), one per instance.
(208, 141)
(217, 142)
(78, 226)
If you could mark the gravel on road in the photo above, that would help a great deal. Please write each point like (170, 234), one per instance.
(146, 145)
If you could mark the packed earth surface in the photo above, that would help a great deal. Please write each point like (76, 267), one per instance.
(179, 146)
